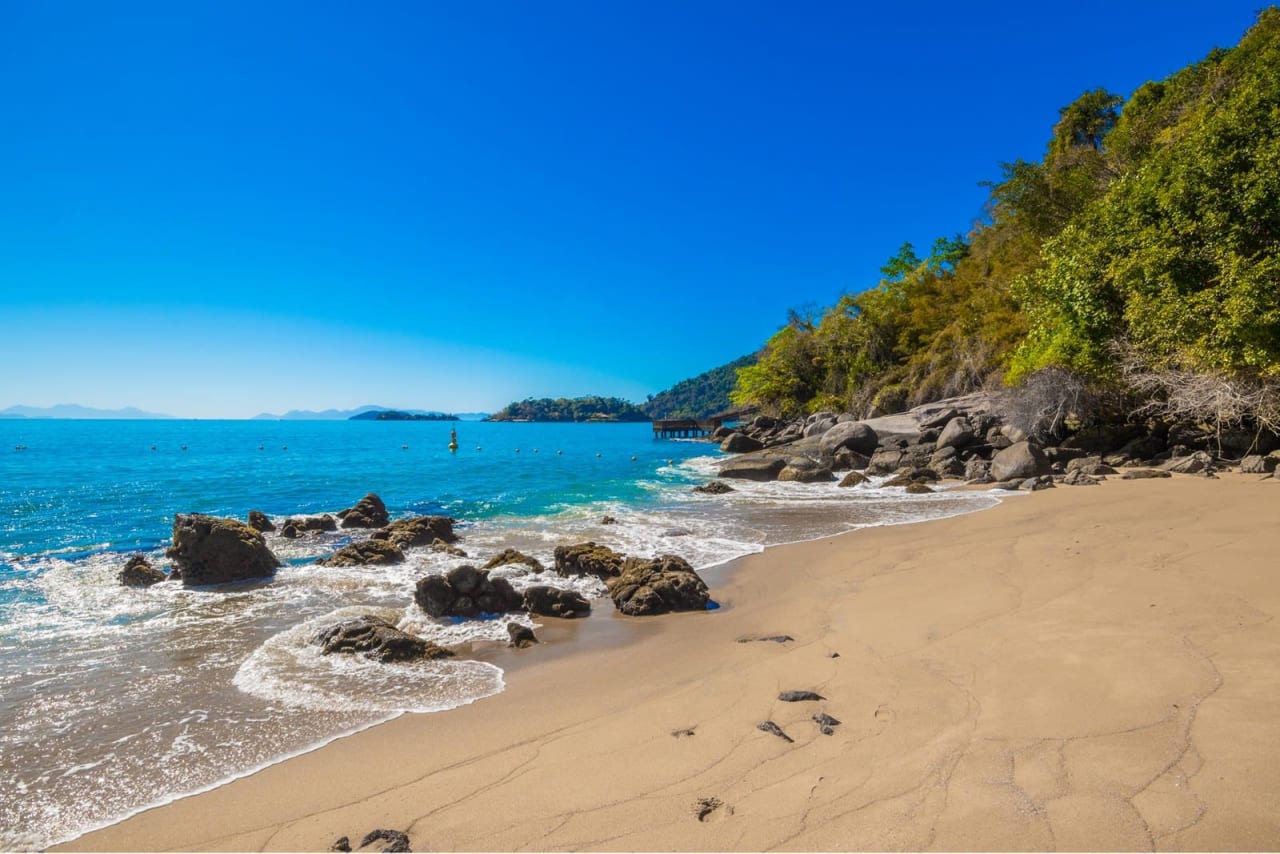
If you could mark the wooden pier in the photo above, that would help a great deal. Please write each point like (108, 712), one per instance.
(693, 428)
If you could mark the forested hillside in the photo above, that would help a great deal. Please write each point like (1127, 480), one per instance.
(700, 396)
(570, 409)
(1140, 255)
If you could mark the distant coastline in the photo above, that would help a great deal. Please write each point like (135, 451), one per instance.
(397, 415)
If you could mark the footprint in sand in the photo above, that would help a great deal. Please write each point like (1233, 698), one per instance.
(885, 715)
(711, 809)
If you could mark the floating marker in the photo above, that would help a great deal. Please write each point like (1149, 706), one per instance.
(535, 450)
(633, 458)
(184, 447)
(517, 450)
(599, 455)
(404, 447)
(153, 447)
(284, 447)
(259, 447)
(478, 448)
(559, 452)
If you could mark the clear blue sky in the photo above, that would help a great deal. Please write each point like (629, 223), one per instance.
(215, 209)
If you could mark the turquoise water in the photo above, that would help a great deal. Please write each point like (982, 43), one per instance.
(116, 699)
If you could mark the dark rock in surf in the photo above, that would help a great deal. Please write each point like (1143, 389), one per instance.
(138, 572)
(213, 550)
(658, 586)
(366, 553)
(369, 512)
(259, 521)
(550, 601)
(588, 559)
(377, 640)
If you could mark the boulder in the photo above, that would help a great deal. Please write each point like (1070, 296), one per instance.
(1143, 474)
(465, 592)
(1078, 477)
(416, 531)
(549, 601)
(721, 433)
(957, 434)
(1019, 461)
(819, 426)
(213, 550)
(520, 636)
(916, 487)
(939, 419)
(658, 586)
(1197, 463)
(853, 478)
(714, 487)
(885, 461)
(377, 640)
(1091, 466)
(740, 443)
(588, 559)
(259, 521)
(978, 471)
(847, 459)
(369, 512)
(754, 467)
(447, 548)
(364, 553)
(855, 436)
(397, 841)
(1035, 484)
(307, 525)
(138, 572)
(510, 556)
(1258, 464)
(805, 470)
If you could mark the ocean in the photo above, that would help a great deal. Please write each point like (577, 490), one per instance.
(115, 699)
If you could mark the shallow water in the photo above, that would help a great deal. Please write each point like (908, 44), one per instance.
(116, 699)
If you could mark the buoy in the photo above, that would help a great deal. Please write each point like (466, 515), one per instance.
(284, 447)
(559, 452)
(633, 458)
(259, 447)
(671, 462)
(478, 448)
(153, 447)
(517, 450)
(599, 455)
(404, 447)
(184, 447)
(535, 450)
(453, 440)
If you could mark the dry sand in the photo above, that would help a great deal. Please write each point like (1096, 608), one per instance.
(1086, 668)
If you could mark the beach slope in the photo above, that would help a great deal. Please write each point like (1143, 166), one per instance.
(1078, 669)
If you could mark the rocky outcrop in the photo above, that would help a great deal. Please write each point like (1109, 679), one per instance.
(369, 512)
(364, 553)
(1090, 466)
(1258, 464)
(417, 531)
(465, 592)
(754, 467)
(296, 526)
(806, 470)
(1143, 474)
(1019, 461)
(213, 550)
(1078, 477)
(713, 487)
(510, 556)
(259, 522)
(853, 478)
(588, 559)
(138, 572)
(658, 586)
(1197, 463)
(548, 601)
(958, 433)
(376, 639)
(739, 443)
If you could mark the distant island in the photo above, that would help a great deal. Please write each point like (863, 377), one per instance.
(363, 414)
(75, 410)
(397, 415)
(578, 409)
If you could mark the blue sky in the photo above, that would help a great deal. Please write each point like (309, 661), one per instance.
(223, 208)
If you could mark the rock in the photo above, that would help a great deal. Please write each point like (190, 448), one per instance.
(1257, 464)
(1143, 473)
(465, 592)
(899, 480)
(940, 419)
(376, 639)
(549, 601)
(1197, 463)
(447, 548)
(1089, 466)
(856, 436)
(657, 586)
(364, 553)
(805, 470)
(212, 550)
(918, 488)
(588, 559)
(721, 433)
(977, 471)
(1035, 484)
(397, 841)
(290, 531)
(764, 422)
(1079, 478)
(1019, 461)
(799, 696)
(846, 460)
(819, 427)
(759, 468)
(714, 487)
(259, 521)
(769, 639)
(520, 636)
(957, 434)
(773, 729)
(416, 531)
(885, 461)
(307, 525)
(342, 843)
(854, 478)
(510, 556)
(824, 719)
(608, 520)
(138, 572)
(369, 512)
(740, 443)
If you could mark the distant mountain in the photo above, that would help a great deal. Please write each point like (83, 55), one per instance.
(75, 410)
(397, 415)
(578, 409)
(700, 396)
(349, 414)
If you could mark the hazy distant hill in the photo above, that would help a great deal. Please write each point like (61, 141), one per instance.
(700, 396)
(398, 415)
(348, 414)
(75, 410)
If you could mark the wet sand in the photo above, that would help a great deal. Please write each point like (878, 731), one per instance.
(1085, 668)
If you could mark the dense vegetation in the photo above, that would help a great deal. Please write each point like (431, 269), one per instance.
(1141, 253)
(700, 396)
(577, 409)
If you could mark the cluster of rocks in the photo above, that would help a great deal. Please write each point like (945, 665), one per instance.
(969, 438)
(637, 586)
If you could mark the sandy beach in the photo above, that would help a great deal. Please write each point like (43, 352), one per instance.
(1090, 668)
